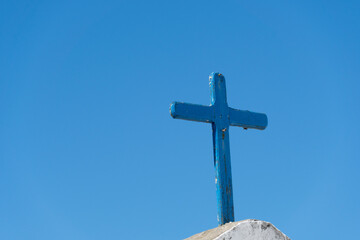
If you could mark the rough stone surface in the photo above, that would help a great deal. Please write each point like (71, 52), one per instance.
(243, 230)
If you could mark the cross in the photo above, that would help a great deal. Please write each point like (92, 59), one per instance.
(221, 116)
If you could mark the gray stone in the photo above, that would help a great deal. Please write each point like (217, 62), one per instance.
(243, 230)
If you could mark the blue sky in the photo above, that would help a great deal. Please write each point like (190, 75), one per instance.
(88, 149)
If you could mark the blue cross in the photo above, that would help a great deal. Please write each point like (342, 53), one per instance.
(221, 116)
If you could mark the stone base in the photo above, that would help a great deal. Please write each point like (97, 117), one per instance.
(243, 230)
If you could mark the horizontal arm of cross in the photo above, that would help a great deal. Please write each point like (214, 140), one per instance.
(192, 112)
(247, 119)
(201, 113)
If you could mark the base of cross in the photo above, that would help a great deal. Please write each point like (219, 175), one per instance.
(243, 230)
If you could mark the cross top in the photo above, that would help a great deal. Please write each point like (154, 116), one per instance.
(221, 116)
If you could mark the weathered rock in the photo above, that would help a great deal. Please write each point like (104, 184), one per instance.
(243, 230)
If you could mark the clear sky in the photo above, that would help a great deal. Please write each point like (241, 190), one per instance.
(88, 149)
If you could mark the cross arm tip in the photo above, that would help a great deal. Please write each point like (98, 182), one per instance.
(247, 119)
(263, 119)
(172, 109)
(192, 112)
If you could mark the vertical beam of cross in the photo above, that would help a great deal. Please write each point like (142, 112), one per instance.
(222, 164)
(221, 116)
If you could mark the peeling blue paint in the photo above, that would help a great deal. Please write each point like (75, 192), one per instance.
(221, 116)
